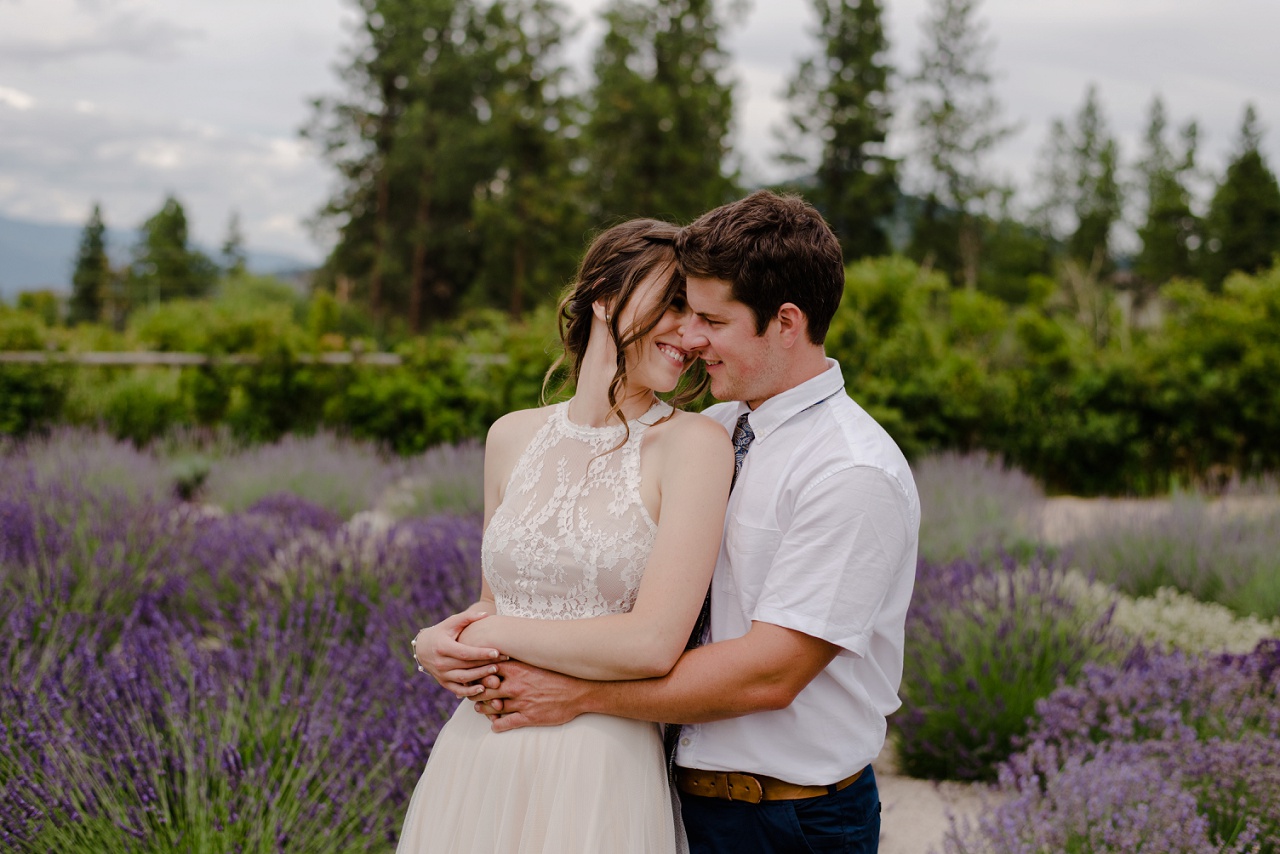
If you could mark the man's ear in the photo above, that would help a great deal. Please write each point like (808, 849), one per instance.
(793, 324)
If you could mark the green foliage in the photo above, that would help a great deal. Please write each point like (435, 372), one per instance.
(658, 132)
(91, 279)
(1083, 198)
(841, 97)
(143, 405)
(44, 304)
(452, 129)
(164, 266)
(1171, 233)
(957, 118)
(31, 396)
(1243, 224)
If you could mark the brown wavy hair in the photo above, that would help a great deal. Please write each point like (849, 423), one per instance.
(615, 265)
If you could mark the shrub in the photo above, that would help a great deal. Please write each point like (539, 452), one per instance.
(1170, 620)
(1205, 550)
(175, 679)
(1162, 753)
(974, 506)
(983, 644)
(340, 475)
(32, 395)
(446, 479)
(143, 405)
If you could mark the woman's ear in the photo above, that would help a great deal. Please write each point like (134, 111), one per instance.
(601, 310)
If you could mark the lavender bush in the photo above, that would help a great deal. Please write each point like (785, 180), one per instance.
(180, 679)
(984, 643)
(1164, 753)
(1215, 552)
(446, 479)
(972, 505)
(342, 476)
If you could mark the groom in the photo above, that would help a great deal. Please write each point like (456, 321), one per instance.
(783, 709)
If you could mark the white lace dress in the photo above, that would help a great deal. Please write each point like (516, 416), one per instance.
(569, 540)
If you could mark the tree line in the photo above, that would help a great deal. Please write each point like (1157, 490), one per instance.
(471, 168)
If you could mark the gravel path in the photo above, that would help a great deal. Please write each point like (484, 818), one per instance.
(916, 814)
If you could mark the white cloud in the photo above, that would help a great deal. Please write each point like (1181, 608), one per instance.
(15, 99)
(133, 34)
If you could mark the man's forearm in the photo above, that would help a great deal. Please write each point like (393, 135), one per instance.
(715, 682)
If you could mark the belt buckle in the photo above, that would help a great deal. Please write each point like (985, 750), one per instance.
(752, 790)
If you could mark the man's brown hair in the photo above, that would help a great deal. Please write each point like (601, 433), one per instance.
(772, 249)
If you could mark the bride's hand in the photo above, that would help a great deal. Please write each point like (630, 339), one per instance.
(453, 664)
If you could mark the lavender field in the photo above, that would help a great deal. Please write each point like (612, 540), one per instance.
(205, 650)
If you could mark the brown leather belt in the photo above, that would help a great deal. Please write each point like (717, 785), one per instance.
(750, 788)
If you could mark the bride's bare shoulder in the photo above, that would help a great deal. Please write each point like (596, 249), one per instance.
(517, 428)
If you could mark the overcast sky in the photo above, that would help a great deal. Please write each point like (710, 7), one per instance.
(121, 101)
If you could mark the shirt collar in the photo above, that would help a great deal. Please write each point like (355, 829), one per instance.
(782, 407)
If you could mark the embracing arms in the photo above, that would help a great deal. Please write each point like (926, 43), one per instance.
(694, 466)
(763, 670)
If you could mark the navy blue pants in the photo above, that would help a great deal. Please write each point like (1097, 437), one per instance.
(847, 822)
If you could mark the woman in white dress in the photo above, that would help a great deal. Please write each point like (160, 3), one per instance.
(603, 518)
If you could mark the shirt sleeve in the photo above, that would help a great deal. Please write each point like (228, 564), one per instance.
(838, 558)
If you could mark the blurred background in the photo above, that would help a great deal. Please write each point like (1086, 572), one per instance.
(1044, 206)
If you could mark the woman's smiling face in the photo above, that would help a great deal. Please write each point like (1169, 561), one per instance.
(657, 360)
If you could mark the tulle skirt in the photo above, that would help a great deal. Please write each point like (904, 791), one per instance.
(596, 785)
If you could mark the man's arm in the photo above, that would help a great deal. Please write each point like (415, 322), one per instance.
(762, 670)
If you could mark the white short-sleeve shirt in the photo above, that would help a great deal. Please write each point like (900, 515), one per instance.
(821, 534)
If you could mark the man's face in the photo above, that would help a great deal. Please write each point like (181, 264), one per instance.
(722, 332)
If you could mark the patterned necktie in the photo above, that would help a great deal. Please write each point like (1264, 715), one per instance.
(743, 436)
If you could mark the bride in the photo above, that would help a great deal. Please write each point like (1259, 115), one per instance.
(609, 507)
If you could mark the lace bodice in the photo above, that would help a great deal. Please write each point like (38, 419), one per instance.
(571, 536)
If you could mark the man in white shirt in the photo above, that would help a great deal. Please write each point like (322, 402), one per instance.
(784, 708)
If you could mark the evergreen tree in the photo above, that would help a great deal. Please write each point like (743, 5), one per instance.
(841, 97)
(1170, 232)
(1243, 224)
(658, 131)
(1083, 198)
(405, 141)
(530, 215)
(91, 280)
(164, 266)
(958, 123)
(234, 260)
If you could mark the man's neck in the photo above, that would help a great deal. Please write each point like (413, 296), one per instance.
(805, 365)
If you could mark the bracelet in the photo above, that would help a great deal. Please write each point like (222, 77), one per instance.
(414, 645)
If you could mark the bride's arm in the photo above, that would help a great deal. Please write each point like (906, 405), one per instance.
(694, 476)
(455, 664)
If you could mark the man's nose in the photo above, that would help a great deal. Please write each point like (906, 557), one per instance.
(692, 335)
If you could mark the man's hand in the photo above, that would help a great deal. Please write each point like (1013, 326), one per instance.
(530, 696)
(455, 665)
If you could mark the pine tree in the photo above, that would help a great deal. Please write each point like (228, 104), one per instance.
(438, 121)
(1170, 232)
(91, 280)
(405, 141)
(658, 132)
(841, 97)
(1083, 198)
(164, 265)
(957, 118)
(1243, 224)
(234, 259)
(530, 215)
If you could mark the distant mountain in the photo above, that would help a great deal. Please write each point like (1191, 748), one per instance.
(35, 255)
